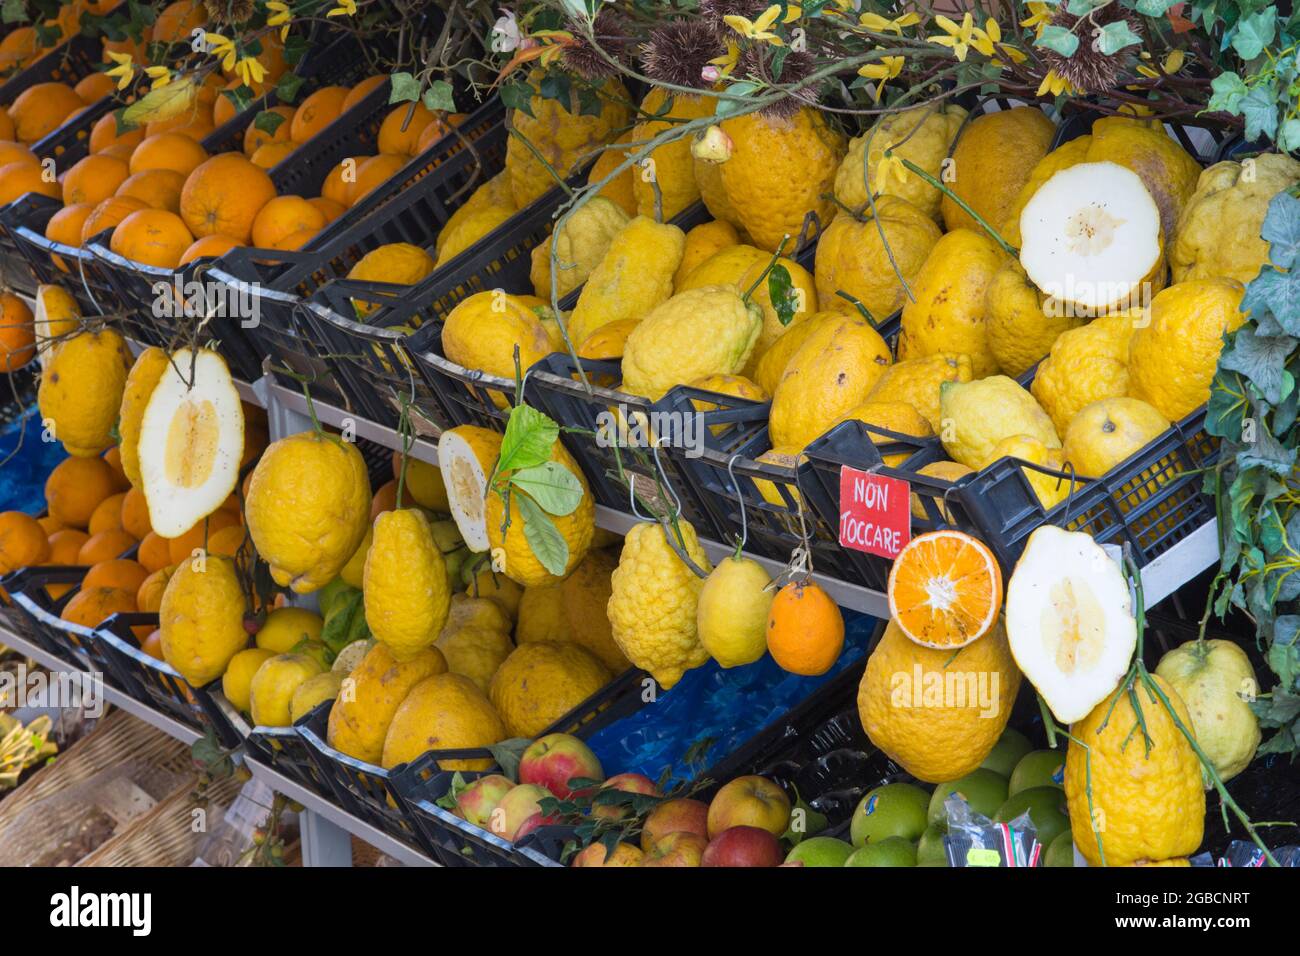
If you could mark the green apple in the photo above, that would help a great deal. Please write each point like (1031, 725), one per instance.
(1038, 768)
(1006, 753)
(896, 809)
(929, 850)
(984, 790)
(1046, 807)
(1061, 851)
(820, 851)
(891, 851)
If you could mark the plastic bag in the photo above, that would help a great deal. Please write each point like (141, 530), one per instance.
(975, 840)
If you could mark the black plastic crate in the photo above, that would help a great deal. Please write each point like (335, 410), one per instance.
(287, 752)
(456, 842)
(69, 62)
(156, 683)
(37, 612)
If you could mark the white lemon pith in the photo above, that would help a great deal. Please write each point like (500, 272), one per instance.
(467, 456)
(1090, 235)
(191, 441)
(1069, 621)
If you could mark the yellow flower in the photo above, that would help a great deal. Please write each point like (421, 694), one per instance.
(124, 70)
(346, 8)
(886, 69)
(1171, 64)
(756, 29)
(889, 164)
(223, 48)
(878, 24)
(793, 12)
(250, 70)
(279, 17)
(958, 38)
(727, 62)
(1041, 16)
(160, 75)
(1055, 84)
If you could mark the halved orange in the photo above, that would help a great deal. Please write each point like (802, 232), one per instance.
(945, 589)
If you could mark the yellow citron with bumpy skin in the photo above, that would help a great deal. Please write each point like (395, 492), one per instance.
(935, 712)
(405, 583)
(654, 600)
(703, 242)
(635, 275)
(274, 684)
(1049, 489)
(923, 134)
(397, 263)
(705, 331)
(740, 266)
(977, 415)
(1107, 432)
(81, 390)
(917, 382)
(202, 618)
(1063, 157)
(580, 244)
(54, 315)
(308, 508)
(475, 652)
(1172, 359)
(1084, 366)
(671, 165)
(493, 194)
(482, 331)
(1218, 234)
(772, 363)
(1215, 680)
(1021, 323)
(993, 159)
(853, 258)
(948, 311)
(732, 613)
(1146, 799)
(370, 696)
(467, 456)
(443, 712)
(540, 683)
(511, 544)
(469, 230)
(834, 370)
(563, 134)
(778, 172)
(140, 382)
(898, 417)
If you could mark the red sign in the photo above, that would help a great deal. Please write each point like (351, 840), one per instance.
(875, 512)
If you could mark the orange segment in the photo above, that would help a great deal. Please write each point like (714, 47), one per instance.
(945, 589)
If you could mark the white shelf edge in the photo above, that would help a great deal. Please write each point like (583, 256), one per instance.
(377, 838)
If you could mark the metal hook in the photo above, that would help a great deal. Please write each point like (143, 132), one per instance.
(740, 500)
(659, 467)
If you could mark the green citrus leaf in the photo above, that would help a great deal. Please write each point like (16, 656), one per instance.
(551, 485)
(528, 439)
(544, 539)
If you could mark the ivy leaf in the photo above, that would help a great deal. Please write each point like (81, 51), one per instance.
(527, 441)
(558, 87)
(589, 102)
(1225, 415)
(286, 89)
(1281, 230)
(1259, 108)
(268, 121)
(1261, 358)
(1115, 37)
(1081, 8)
(13, 11)
(403, 88)
(726, 107)
(544, 539)
(1254, 33)
(1268, 453)
(1288, 135)
(439, 96)
(295, 48)
(1273, 298)
(551, 485)
(518, 96)
(1153, 8)
(1058, 39)
(782, 293)
(1229, 90)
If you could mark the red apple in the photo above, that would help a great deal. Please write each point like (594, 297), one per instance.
(522, 802)
(628, 783)
(750, 802)
(477, 801)
(677, 849)
(681, 815)
(743, 846)
(555, 759)
(625, 854)
(536, 821)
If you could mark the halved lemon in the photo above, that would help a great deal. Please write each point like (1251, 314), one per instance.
(945, 589)
(191, 441)
(467, 455)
